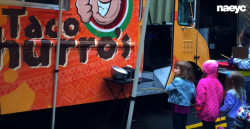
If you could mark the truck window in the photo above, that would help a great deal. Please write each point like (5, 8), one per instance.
(185, 10)
(45, 4)
(160, 11)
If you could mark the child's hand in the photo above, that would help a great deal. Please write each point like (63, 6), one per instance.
(197, 109)
(230, 61)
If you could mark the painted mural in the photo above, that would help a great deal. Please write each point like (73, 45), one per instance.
(95, 35)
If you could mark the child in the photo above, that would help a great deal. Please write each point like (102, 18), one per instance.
(209, 95)
(235, 97)
(181, 90)
(242, 120)
(244, 64)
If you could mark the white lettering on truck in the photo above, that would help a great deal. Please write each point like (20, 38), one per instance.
(231, 8)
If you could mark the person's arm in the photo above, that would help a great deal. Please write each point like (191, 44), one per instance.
(242, 64)
(173, 85)
(200, 96)
(228, 103)
(193, 91)
(221, 94)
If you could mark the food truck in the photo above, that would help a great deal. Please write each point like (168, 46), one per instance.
(97, 35)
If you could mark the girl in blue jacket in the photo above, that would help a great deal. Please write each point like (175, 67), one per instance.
(235, 98)
(181, 90)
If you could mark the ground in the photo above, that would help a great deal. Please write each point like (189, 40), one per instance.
(154, 110)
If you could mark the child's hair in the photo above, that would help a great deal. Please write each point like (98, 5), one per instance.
(236, 82)
(204, 75)
(186, 70)
(245, 37)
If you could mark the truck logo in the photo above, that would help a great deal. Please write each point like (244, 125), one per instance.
(231, 8)
(39, 37)
(104, 17)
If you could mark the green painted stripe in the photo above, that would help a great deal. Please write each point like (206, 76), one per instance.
(245, 73)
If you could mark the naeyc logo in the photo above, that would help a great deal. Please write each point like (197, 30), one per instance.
(104, 17)
(231, 8)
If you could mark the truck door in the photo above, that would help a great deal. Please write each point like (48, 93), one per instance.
(185, 34)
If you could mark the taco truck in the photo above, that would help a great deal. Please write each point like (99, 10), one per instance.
(97, 35)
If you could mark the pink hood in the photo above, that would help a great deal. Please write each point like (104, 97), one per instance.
(210, 67)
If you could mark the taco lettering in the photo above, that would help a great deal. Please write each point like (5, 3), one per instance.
(34, 33)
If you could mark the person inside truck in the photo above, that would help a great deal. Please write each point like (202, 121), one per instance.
(244, 64)
(239, 45)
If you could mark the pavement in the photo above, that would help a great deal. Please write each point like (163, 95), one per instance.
(154, 110)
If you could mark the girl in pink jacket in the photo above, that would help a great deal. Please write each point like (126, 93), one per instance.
(209, 95)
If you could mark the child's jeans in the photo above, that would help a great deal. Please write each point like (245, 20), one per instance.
(208, 125)
(230, 123)
(179, 120)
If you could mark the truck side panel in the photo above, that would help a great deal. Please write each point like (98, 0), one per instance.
(89, 47)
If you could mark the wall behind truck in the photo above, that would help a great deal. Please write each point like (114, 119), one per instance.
(243, 17)
(88, 50)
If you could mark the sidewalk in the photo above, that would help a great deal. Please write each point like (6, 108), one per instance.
(154, 110)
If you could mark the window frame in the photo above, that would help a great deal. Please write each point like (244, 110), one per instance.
(178, 14)
(22, 3)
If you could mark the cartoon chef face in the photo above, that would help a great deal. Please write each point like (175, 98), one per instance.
(104, 12)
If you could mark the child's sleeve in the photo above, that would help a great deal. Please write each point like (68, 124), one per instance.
(228, 103)
(221, 95)
(173, 85)
(221, 98)
(242, 64)
(200, 96)
(193, 91)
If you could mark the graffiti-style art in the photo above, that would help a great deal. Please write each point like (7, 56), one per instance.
(95, 35)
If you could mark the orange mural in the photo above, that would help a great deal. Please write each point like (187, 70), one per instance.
(91, 42)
